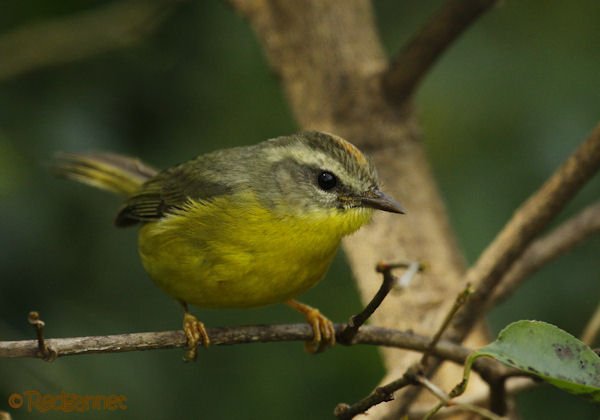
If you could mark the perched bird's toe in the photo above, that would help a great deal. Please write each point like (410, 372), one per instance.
(196, 334)
(323, 330)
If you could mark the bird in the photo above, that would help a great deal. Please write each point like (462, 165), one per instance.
(241, 227)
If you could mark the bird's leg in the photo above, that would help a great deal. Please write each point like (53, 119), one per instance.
(194, 332)
(323, 331)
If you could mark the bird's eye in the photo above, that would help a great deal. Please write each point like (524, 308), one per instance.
(327, 180)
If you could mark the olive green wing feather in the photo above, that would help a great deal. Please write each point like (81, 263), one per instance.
(167, 191)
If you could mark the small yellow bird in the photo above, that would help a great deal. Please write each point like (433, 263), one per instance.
(242, 227)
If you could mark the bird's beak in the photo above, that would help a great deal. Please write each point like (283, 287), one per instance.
(381, 201)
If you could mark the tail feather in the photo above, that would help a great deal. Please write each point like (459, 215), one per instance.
(108, 171)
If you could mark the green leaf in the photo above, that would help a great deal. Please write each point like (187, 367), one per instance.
(547, 352)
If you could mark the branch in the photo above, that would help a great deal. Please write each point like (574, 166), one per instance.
(418, 372)
(429, 368)
(356, 321)
(446, 400)
(120, 24)
(412, 376)
(119, 343)
(561, 240)
(527, 222)
(423, 50)
(514, 387)
(592, 329)
(381, 394)
(460, 300)
(44, 351)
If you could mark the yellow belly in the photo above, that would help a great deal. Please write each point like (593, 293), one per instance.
(234, 253)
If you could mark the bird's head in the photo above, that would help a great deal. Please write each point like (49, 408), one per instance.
(314, 173)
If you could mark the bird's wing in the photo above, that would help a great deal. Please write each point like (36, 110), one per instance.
(167, 191)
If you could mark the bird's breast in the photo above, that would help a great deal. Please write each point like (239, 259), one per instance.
(236, 253)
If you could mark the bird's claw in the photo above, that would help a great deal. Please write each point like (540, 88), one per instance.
(323, 331)
(196, 334)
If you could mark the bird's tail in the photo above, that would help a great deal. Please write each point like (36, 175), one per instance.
(108, 171)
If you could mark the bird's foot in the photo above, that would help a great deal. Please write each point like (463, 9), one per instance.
(196, 334)
(323, 331)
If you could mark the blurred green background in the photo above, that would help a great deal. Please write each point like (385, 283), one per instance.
(499, 112)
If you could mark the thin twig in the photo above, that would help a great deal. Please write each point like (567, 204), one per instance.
(384, 394)
(592, 328)
(119, 343)
(433, 389)
(423, 50)
(429, 368)
(481, 411)
(44, 351)
(458, 303)
(527, 222)
(381, 394)
(356, 321)
(445, 401)
(515, 386)
(547, 248)
(490, 371)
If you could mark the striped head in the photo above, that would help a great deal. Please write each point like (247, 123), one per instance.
(319, 172)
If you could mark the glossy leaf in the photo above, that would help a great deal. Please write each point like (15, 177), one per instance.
(547, 352)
